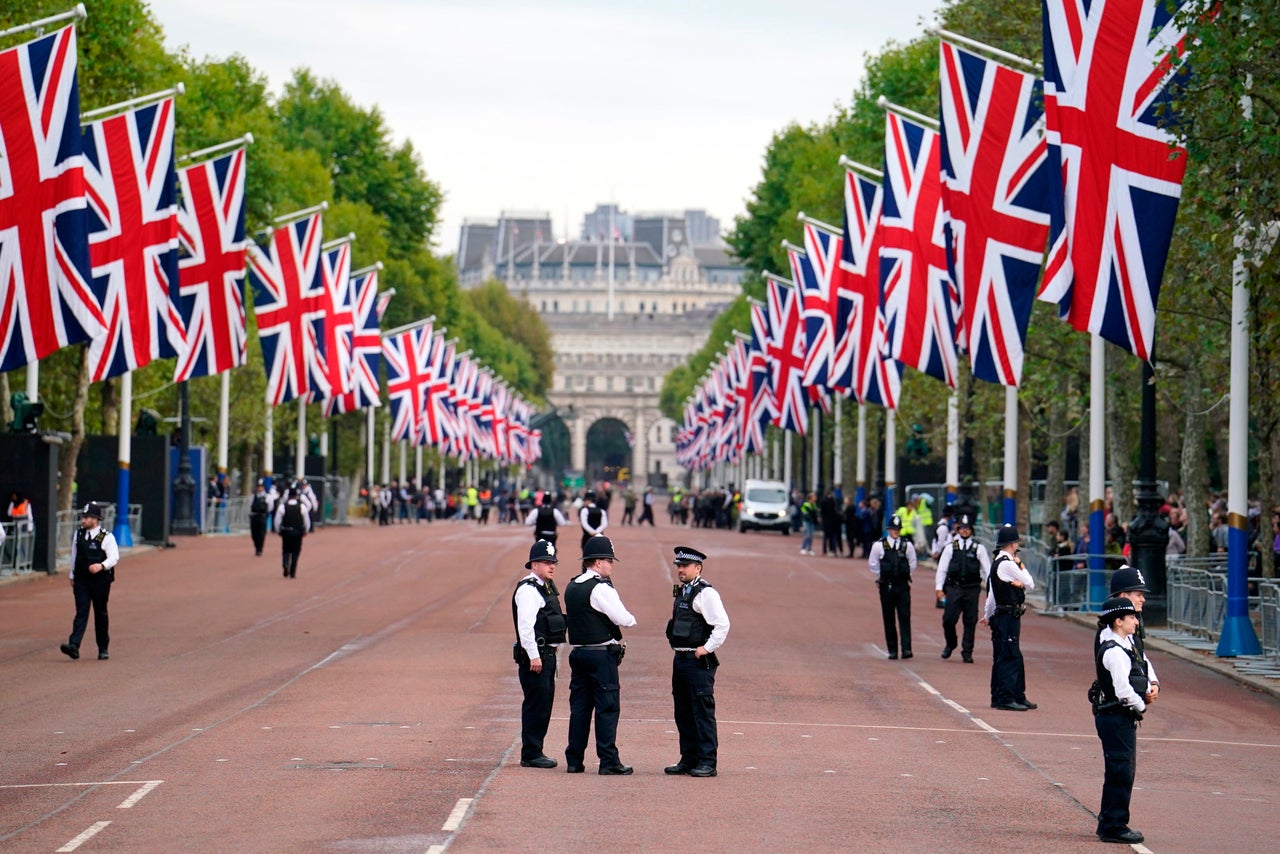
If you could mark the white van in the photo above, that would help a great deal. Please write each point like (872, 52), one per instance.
(764, 505)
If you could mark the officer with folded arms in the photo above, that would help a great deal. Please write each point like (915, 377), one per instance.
(595, 616)
(540, 628)
(698, 627)
(1009, 583)
(1119, 696)
(963, 567)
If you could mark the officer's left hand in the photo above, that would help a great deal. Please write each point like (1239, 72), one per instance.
(95, 567)
(1152, 695)
(700, 652)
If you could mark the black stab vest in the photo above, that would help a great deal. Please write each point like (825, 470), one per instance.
(1005, 593)
(687, 628)
(549, 624)
(964, 569)
(1137, 671)
(545, 523)
(586, 624)
(89, 550)
(894, 566)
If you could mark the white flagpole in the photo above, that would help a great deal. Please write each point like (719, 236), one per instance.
(815, 473)
(953, 446)
(1011, 455)
(300, 449)
(268, 445)
(33, 382)
(890, 462)
(370, 439)
(224, 418)
(1097, 468)
(76, 14)
(837, 458)
(122, 533)
(404, 463)
(860, 473)
(417, 466)
(786, 458)
(386, 449)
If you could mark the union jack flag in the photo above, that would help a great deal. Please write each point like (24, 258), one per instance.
(785, 352)
(211, 244)
(876, 376)
(995, 190)
(339, 322)
(408, 358)
(759, 411)
(828, 305)
(366, 348)
(289, 302)
(1112, 211)
(133, 238)
(438, 418)
(47, 300)
(920, 304)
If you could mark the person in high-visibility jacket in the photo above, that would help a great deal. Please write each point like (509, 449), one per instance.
(923, 524)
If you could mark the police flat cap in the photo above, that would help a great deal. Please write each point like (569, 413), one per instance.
(1114, 607)
(688, 554)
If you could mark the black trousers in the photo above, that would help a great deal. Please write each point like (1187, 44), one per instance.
(539, 696)
(91, 590)
(1008, 677)
(896, 600)
(961, 601)
(593, 687)
(290, 548)
(258, 530)
(693, 687)
(1119, 734)
(646, 515)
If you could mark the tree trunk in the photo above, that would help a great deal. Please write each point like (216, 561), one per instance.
(70, 452)
(1264, 416)
(1193, 468)
(1056, 452)
(110, 407)
(1119, 434)
(5, 410)
(248, 482)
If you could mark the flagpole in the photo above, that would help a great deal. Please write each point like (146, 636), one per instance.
(1011, 455)
(860, 473)
(224, 420)
(290, 218)
(855, 166)
(890, 461)
(994, 52)
(953, 446)
(268, 447)
(404, 463)
(230, 144)
(815, 462)
(1097, 469)
(76, 14)
(786, 458)
(837, 458)
(417, 466)
(122, 533)
(300, 448)
(33, 381)
(386, 449)
(370, 439)
(140, 101)
(928, 121)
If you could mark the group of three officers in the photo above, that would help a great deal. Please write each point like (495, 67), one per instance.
(592, 623)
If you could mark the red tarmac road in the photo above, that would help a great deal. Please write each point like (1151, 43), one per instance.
(371, 705)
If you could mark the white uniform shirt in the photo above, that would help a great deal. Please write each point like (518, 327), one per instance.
(528, 603)
(711, 607)
(607, 601)
(941, 538)
(306, 512)
(604, 521)
(877, 555)
(1116, 661)
(108, 545)
(1009, 571)
(944, 562)
(532, 517)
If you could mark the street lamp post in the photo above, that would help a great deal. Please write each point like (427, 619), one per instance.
(1149, 531)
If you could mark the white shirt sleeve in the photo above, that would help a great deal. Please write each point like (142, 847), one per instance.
(1010, 571)
(944, 564)
(875, 556)
(1116, 661)
(113, 551)
(984, 561)
(911, 557)
(528, 604)
(711, 607)
(531, 517)
(560, 520)
(607, 601)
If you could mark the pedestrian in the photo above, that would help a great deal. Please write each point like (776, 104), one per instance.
(829, 512)
(594, 519)
(629, 507)
(809, 519)
(595, 616)
(852, 525)
(1009, 583)
(540, 629)
(646, 515)
(698, 627)
(963, 568)
(293, 521)
(259, 507)
(1119, 696)
(892, 560)
(94, 556)
(544, 518)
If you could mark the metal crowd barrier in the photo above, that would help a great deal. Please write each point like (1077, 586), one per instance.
(17, 550)
(1269, 611)
(337, 500)
(226, 515)
(69, 521)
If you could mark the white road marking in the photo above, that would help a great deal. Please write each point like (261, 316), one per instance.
(84, 837)
(455, 818)
(93, 783)
(1142, 849)
(989, 728)
(141, 793)
(436, 849)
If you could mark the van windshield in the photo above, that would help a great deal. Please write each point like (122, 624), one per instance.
(767, 495)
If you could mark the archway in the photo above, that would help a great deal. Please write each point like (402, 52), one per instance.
(608, 450)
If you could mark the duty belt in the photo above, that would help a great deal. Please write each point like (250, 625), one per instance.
(1015, 610)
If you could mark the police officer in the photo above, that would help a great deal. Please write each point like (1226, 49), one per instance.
(540, 628)
(892, 560)
(544, 518)
(593, 518)
(1128, 583)
(293, 521)
(943, 534)
(1119, 698)
(94, 556)
(698, 627)
(259, 508)
(1009, 583)
(595, 616)
(962, 569)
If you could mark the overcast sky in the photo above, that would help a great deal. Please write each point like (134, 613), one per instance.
(561, 104)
